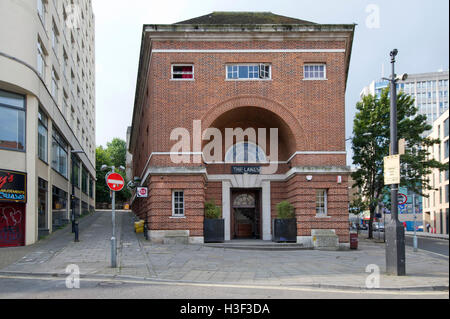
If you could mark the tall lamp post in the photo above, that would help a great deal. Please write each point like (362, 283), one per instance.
(395, 232)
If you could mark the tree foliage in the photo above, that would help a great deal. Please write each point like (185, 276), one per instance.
(370, 144)
(113, 155)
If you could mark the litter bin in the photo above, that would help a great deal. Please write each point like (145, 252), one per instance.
(353, 240)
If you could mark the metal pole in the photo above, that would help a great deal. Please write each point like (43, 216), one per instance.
(113, 238)
(395, 238)
(415, 224)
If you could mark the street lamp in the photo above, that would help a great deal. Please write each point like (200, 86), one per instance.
(395, 233)
(72, 197)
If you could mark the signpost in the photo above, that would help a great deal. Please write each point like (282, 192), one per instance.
(115, 183)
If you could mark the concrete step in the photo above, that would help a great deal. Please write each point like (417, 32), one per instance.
(256, 245)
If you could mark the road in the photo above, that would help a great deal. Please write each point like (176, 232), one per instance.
(47, 287)
(437, 246)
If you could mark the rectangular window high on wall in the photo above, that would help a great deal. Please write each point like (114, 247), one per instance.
(59, 154)
(321, 202)
(12, 121)
(182, 72)
(41, 53)
(41, 10)
(42, 136)
(314, 72)
(178, 203)
(258, 71)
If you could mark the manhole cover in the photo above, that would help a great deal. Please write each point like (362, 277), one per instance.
(110, 283)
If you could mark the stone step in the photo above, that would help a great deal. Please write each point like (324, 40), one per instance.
(256, 245)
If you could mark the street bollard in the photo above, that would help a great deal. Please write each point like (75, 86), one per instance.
(76, 231)
(145, 231)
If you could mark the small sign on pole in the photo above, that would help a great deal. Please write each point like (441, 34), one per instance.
(392, 170)
(142, 192)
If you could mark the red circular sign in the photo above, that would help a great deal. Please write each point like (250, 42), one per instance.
(402, 199)
(115, 182)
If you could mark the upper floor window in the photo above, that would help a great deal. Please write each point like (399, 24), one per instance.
(12, 121)
(248, 72)
(41, 10)
(41, 53)
(42, 136)
(182, 72)
(321, 202)
(314, 72)
(245, 152)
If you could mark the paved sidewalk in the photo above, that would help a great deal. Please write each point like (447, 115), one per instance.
(427, 235)
(139, 258)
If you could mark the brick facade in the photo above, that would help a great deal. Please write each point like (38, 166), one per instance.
(309, 115)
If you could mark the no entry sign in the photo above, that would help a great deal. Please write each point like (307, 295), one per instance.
(115, 182)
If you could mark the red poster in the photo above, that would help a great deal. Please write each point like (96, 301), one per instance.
(12, 224)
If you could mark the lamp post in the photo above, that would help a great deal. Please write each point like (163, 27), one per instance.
(72, 197)
(395, 232)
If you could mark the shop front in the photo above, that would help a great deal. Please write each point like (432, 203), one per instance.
(13, 197)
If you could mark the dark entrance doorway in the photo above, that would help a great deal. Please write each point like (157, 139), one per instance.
(245, 214)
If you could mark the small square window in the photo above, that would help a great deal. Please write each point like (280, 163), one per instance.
(314, 71)
(182, 72)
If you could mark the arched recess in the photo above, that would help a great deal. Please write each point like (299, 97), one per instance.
(257, 112)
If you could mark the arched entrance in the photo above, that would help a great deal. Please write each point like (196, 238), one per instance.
(246, 214)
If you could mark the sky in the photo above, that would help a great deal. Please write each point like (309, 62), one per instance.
(418, 29)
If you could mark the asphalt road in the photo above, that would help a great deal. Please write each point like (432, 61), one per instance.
(29, 287)
(438, 246)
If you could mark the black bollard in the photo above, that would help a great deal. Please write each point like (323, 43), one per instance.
(146, 231)
(76, 231)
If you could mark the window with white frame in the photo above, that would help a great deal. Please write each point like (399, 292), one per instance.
(42, 136)
(178, 203)
(41, 10)
(182, 72)
(248, 71)
(40, 59)
(55, 79)
(314, 71)
(321, 202)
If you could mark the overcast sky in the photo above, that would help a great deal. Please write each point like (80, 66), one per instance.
(419, 29)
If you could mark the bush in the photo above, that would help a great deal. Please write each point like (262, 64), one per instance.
(285, 210)
(212, 211)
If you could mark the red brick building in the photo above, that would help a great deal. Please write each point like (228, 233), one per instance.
(243, 70)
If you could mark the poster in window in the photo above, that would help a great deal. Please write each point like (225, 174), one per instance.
(13, 187)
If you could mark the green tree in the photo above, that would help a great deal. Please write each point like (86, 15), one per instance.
(370, 144)
(113, 155)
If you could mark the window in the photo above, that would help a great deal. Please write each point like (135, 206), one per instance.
(84, 181)
(42, 203)
(446, 149)
(41, 10)
(59, 207)
(55, 35)
(182, 72)
(42, 136)
(245, 152)
(446, 128)
(91, 187)
(321, 202)
(59, 154)
(314, 72)
(75, 174)
(12, 121)
(178, 203)
(55, 79)
(248, 72)
(41, 59)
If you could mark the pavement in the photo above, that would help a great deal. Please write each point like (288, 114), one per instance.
(143, 260)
